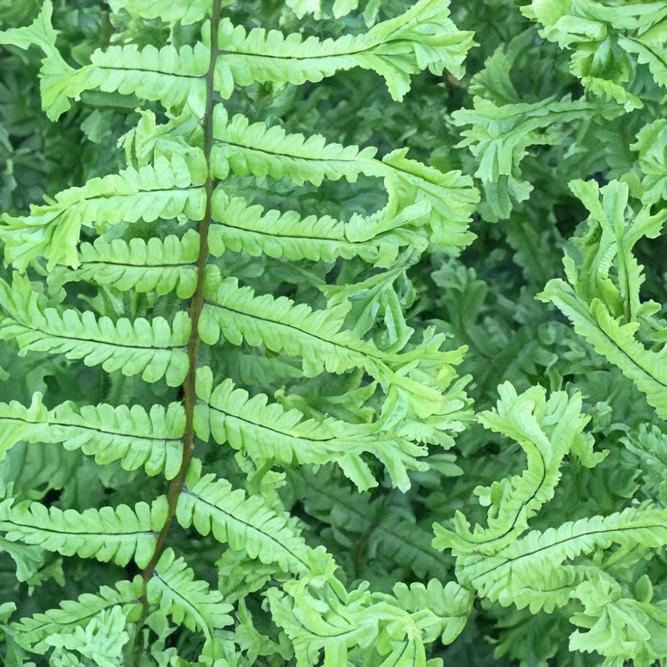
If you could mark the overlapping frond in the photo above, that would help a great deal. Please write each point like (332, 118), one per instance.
(110, 534)
(135, 437)
(259, 150)
(589, 28)
(650, 145)
(31, 632)
(602, 299)
(359, 627)
(547, 430)
(614, 340)
(423, 37)
(317, 337)
(269, 432)
(441, 611)
(501, 562)
(187, 600)
(622, 629)
(531, 571)
(170, 75)
(154, 349)
(245, 523)
(377, 238)
(164, 190)
(501, 135)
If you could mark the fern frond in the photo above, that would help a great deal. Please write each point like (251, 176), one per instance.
(500, 136)
(20, 423)
(353, 628)
(54, 68)
(101, 641)
(154, 349)
(169, 11)
(607, 268)
(157, 265)
(245, 523)
(314, 336)
(547, 430)
(32, 632)
(268, 432)
(535, 562)
(312, 631)
(615, 341)
(622, 629)
(376, 238)
(164, 190)
(261, 151)
(423, 37)
(169, 75)
(119, 534)
(452, 197)
(130, 435)
(188, 601)
(441, 611)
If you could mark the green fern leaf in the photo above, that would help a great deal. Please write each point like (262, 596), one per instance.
(268, 432)
(376, 238)
(132, 436)
(161, 191)
(188, 601)
(269, 151)
(158, 265)
(442, 611)
(614, 340)
(245, 523)
(535, 562)
(452, 197)
(119, 534)
(153, 349)
(500, 136)
(423, 37)
(620, 628)
(31, 632)
(101, 641)
(547, 431)
(314, 336)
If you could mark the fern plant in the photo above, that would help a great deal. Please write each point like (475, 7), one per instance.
(261, 259)
(151, 283)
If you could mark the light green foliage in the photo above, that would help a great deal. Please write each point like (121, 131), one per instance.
(133, 245)
(605, 311)
(421, 38)
(500, 136)
(274, 391)
(187, 600)
(118, 534)
(153, 348)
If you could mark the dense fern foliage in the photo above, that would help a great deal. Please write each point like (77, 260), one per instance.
(327, 337)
